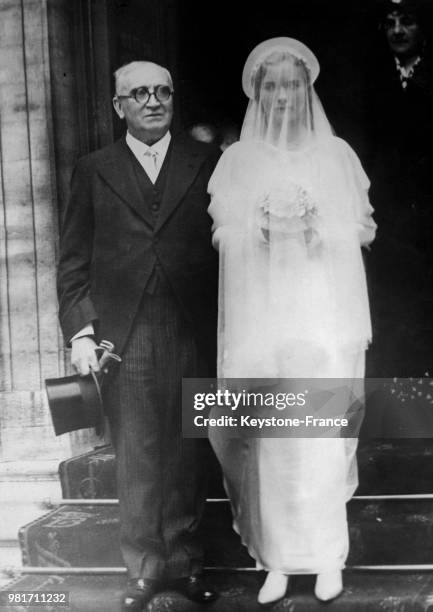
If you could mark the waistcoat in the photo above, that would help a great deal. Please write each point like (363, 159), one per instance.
(152, 198)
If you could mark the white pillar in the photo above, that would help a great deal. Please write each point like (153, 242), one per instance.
(30, 344)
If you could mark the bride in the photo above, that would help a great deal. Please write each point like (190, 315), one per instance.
(291, 212)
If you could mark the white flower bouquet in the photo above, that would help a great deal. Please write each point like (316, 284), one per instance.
(287, 212)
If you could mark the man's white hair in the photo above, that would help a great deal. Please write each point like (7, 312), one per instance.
(121, 73)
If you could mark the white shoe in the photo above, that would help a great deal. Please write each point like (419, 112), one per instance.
(328, 585)
(274, 588)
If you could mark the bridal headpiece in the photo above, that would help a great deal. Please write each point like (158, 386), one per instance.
(266, 48)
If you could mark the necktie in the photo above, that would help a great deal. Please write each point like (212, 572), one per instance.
(151, 164)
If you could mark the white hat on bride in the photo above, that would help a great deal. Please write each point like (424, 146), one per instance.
(281, 43)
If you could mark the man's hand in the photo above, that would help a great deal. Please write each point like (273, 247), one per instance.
(83, 355)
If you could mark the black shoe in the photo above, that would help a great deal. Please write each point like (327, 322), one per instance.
(196, 589)
(138, 593)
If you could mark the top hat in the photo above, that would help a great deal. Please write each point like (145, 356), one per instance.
(75, 401)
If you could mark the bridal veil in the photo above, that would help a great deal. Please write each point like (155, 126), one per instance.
(291, 212)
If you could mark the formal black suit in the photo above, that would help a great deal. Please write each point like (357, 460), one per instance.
(136, 261)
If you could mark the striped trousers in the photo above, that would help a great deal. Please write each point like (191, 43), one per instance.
(161, 477)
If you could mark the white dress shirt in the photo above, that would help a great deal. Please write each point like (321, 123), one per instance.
(151, 159)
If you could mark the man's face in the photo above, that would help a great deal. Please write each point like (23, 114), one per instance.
(146, 121)
(403, 34)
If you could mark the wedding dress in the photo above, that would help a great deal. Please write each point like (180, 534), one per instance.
(290, 210)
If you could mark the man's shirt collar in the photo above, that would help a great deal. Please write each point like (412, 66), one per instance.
(139, 148)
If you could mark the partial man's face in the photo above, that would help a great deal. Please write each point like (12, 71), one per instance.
(403, 34)
(148, 121)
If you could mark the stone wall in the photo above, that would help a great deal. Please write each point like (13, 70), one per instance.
(30, 344)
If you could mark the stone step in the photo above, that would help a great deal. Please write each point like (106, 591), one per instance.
(398, 466)
(32, 468)
(385, 467)
(363, 592)
(382, 532)
(25, 488)
(10, 558)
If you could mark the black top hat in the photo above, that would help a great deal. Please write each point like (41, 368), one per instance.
(75, 402)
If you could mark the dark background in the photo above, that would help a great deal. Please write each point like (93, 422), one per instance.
(206, 44)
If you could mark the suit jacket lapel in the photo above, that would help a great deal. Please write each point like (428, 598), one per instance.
(183, 165)
(118, 171)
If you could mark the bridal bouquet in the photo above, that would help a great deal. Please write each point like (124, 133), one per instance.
(287, 211)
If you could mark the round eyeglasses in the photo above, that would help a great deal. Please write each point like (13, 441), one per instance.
(143, 94)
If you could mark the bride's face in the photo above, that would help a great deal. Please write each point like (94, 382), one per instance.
(283, 91)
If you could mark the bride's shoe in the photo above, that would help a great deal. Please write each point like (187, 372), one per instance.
(329, 585)
(273, 589)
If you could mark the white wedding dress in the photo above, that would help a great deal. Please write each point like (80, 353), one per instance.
(289, 225)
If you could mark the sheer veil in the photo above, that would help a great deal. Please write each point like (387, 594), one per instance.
(284, 109)
(290, 210)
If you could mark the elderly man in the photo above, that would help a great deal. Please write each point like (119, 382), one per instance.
(137, 268)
